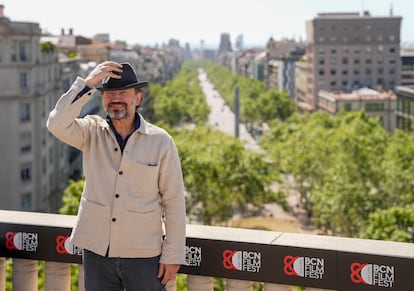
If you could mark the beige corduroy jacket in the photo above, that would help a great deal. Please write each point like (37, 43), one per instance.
(127, 197)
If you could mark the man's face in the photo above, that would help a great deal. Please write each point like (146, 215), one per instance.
(121, 104)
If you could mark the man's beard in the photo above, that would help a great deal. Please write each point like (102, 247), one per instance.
(117, 113)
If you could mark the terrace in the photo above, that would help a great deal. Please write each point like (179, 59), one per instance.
(241, 256)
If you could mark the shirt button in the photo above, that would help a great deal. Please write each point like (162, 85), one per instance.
(116, 195)
(120, 172)
(113, 219)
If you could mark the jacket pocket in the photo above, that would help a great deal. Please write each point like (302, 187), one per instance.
(143, 231)
(144, 179)
(93, 222)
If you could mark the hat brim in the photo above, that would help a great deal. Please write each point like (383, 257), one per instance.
(134, 85)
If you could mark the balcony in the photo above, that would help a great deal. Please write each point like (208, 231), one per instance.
(241, 256)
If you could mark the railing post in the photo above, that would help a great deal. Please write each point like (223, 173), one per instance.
(171, 285)
(81, 279)
(57, 276)
(276, 287)
(238, 285)
(24, 275)
(200, 283)
(2, 273)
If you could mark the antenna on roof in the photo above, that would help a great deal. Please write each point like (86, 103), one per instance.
(391, 9)
(362, 7)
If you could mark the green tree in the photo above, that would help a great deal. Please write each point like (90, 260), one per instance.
(393, 224)
(220, 175)
(351, 188)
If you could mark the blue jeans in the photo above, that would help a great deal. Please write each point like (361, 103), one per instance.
(118, 274)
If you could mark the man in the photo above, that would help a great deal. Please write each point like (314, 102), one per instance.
(133, 185)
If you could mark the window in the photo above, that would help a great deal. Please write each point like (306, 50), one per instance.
(348, 106)
(26, 201)
(374, 106)
(345, 61)
(26, 172)
(25, 142)
(22, 51)
(25, 112)
(23, 80)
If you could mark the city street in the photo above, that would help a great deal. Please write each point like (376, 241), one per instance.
(222, 118)
(221, 115)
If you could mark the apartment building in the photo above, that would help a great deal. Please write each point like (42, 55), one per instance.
(376, 104)
(35, 168)
(281, 57)
(405, 107)
(407, 65)
(348, 51)
(28, 79)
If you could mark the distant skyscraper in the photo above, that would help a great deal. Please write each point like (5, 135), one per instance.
(239, 42)
(225, 43)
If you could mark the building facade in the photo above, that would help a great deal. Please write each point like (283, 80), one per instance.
(375, 104)
(405, 107)
(407, 66)
(31, 174)
(348, 51)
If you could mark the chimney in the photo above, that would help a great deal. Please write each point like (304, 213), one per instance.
(70, 31)
(1, 10)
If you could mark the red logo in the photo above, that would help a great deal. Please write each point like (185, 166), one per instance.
(227, 259)
(9, 240)
(60, 244)
(288, 268)
(356, 269)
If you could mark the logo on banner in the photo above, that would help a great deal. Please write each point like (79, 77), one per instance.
(242, 261)
(22, 241)
(372, 274)
(193, 256)
(307, 267)
(64, 246)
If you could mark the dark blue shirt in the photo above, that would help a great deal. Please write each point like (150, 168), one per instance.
(122, 142)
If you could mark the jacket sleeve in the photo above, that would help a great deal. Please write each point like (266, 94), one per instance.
(173, 200)
(63, 121)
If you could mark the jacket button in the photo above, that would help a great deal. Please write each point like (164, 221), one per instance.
(116, 149)
(113, 219)
(120, 172)
(116, 195)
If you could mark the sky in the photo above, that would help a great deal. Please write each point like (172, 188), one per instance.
(192, 21)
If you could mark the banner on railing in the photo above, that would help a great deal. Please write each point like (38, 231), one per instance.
(291, 265)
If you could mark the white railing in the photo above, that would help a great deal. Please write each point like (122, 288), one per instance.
(240, 256)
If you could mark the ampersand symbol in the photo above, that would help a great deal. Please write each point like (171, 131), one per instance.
(356, 273)
(60, 244)
(227, 256)
(9, 240)
(288, 268)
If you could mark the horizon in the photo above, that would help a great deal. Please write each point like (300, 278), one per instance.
(158, 21)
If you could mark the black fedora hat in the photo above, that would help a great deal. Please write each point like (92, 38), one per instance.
(128, 79)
